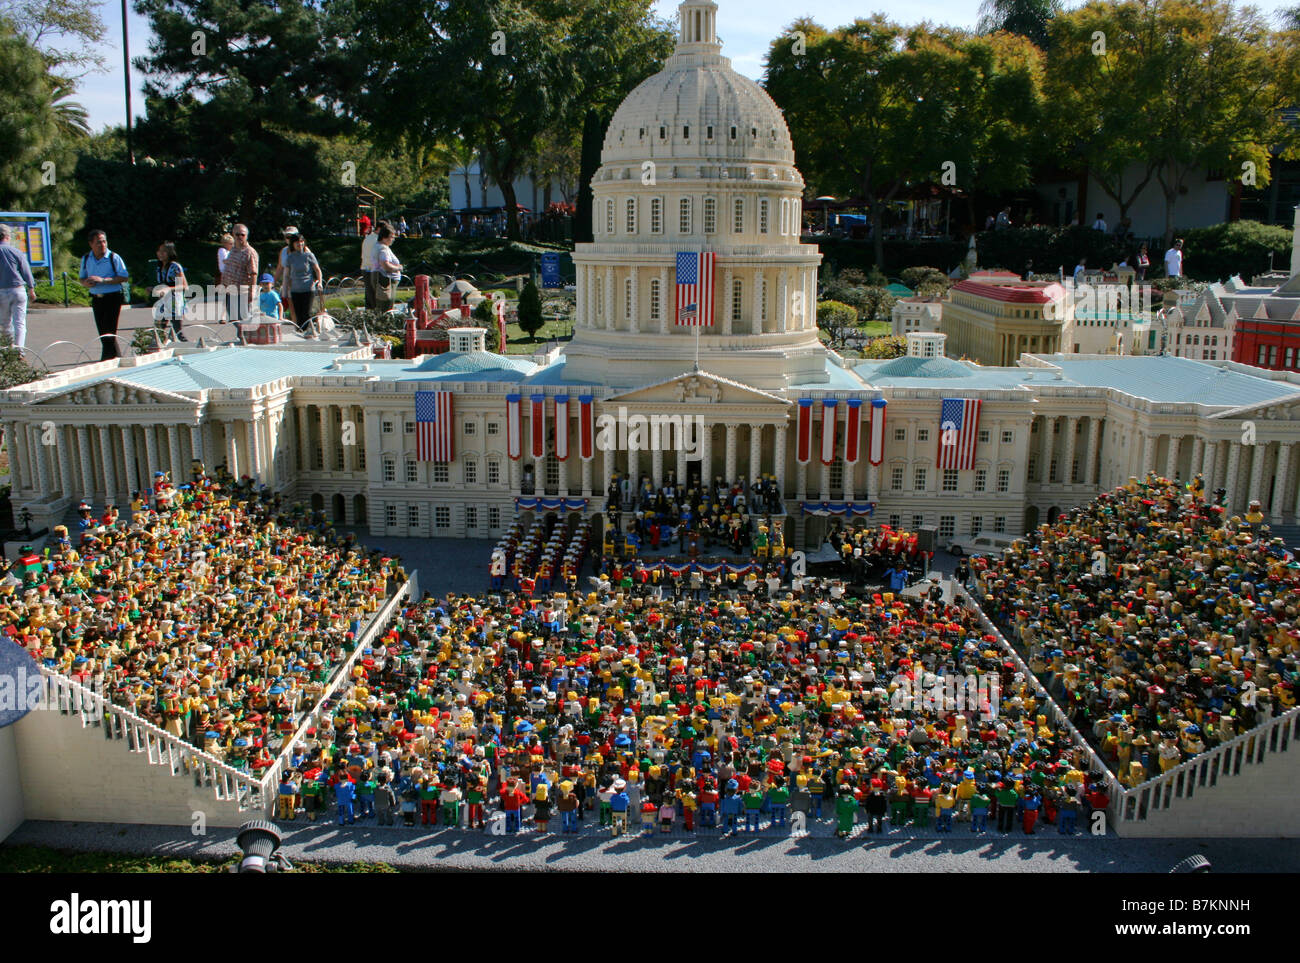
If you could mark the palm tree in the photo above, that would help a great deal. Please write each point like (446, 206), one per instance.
(456, 155)
(1029, 18)
(1290, 18)
(72, 119)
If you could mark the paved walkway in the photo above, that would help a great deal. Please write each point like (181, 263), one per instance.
(766, 852)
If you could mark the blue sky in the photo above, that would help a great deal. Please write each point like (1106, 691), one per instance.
(745, 26)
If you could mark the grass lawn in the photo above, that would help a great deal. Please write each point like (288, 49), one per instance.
(41, 859)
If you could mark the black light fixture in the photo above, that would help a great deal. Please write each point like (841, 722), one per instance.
(259, 841)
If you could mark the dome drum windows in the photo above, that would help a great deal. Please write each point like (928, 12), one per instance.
(656, 215)
(710, 215)
(738, 216)
(631, 215)
(684, 216)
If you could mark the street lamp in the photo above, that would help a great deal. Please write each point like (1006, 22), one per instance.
(825, 201)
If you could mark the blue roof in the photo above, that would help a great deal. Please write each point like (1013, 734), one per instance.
(234, 367)
(838, 379)
(913, 372)
(1170, 379)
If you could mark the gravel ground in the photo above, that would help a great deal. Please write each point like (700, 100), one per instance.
(766, 852)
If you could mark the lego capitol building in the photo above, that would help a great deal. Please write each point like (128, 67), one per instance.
(334, 427)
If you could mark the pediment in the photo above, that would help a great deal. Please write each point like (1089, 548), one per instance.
(114, 391)
(1286, 408)
(698, 388)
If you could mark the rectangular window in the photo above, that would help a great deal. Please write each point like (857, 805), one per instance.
(654, 300)
(900, 434)
(1008, 437)
(985, 435)
(918, 521)
(1004, 480)
(737, 291)
(1052, 476)
(1031, 468)
(710, 215)
(947, 526)
(412, 471)
(413, 516)
(471, 516)
(471, 473)
(1260, 359)
(552, 471)
(1000, 524)
(442, 517)
(390, 470)
(896, 478)
(738, 216)
(763, 216)
(469, 427)
(631, 215)
(388, 427)
(923, 434)
(390, 516)
(950, 479)
(837, 475)
(408, 427)
(494, 517)
(656, 216)
(441, 473)
(981, 479)
(494, 427)
(494, 472)
(895, 521)
(1074, 471)
(918, 479)
(609, 216)
(338, 460)
(684, 216)
(976, 524)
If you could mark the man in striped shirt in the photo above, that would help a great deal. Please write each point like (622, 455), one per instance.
(239, 275)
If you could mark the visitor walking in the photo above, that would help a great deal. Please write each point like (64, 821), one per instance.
(169, 290)
(239, 275)
(104, 273)
(15, 281)
(302, 277)
(1174, 259)
(388, 270)
(1143, 262)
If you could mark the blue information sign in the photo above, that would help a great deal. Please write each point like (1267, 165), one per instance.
(31, 235)
(551, 271)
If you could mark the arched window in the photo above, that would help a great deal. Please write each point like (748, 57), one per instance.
(785, 216)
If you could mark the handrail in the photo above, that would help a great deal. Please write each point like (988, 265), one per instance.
(271, 778)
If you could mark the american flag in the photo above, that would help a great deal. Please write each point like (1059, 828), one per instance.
(959, 422)
(433, 425)
(695, 287)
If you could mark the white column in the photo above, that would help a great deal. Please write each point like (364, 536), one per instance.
(110, 474)
(635, 311)
(586, 477)
(66, 483)
(1094, 453)
(665, 300)
(657, 467)
(42, 465)
(727, 292)
(873, 481)
(681, 465)
(778, 467)
(303, 424)
(610, 312)
(580, 298)
(634, 466)
(760, 301)
(87, 476)
(232, 448)
(783, 302)
(826, 481)
(254, 429)
(755, 453)
(706, 457)
(1230, 481)
(1198, 455)
(132, 480)
(1279, 482)
(196, 444)
(1045, 440)
(564, 475)
(1257, 453)
(1171, 464)
(174, 450)
(1067, 467)
(1150, 442)
(607, 467)
(19, 456)
(729, 458)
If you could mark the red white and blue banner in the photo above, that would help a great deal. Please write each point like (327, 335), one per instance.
(876, 453)
(551, 504)
(959, 421)
(695, 272)
(433, 425)
(852, 430)
(830, 420)
(514, 427)
(586, 428)
(838, 508)
(538, 425)
(803, 435)
(562, 427)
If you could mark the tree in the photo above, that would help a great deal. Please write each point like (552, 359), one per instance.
(887, 346)
(37, 158)
(222, 94)
(876, 107)
(1028, 18)
(837, 319)
(485, 316)
(508, 74)
(530, 309)
(66, 32)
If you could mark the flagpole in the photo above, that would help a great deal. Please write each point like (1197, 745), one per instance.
(698, 324)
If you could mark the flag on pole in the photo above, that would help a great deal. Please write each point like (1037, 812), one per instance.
(958, 427)
(830, 421)
(695, 287)
(539, 425)
(562, 427)
(852, 429)
(514, 427)
(876, 454)
(433, 425)
(586, 428)
(803, 436)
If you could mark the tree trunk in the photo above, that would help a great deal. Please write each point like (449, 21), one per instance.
(592, 134)
(877, 236)
(507, 186)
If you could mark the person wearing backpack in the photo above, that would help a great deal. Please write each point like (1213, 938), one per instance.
(104, 273)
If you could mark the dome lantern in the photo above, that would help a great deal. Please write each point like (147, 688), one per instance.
(699, 26)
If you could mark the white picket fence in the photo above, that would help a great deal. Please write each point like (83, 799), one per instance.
(1130, 808)
(251, 793)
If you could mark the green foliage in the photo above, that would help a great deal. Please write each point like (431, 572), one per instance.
(836, 318)
(892, 346)
(67, 32)
(932, 278)
(1218, 252)
(485, 317)
(53, 293)
(15, 368)
(37, 142)
(1029, 18)
(1050, 248)
(530, 310)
